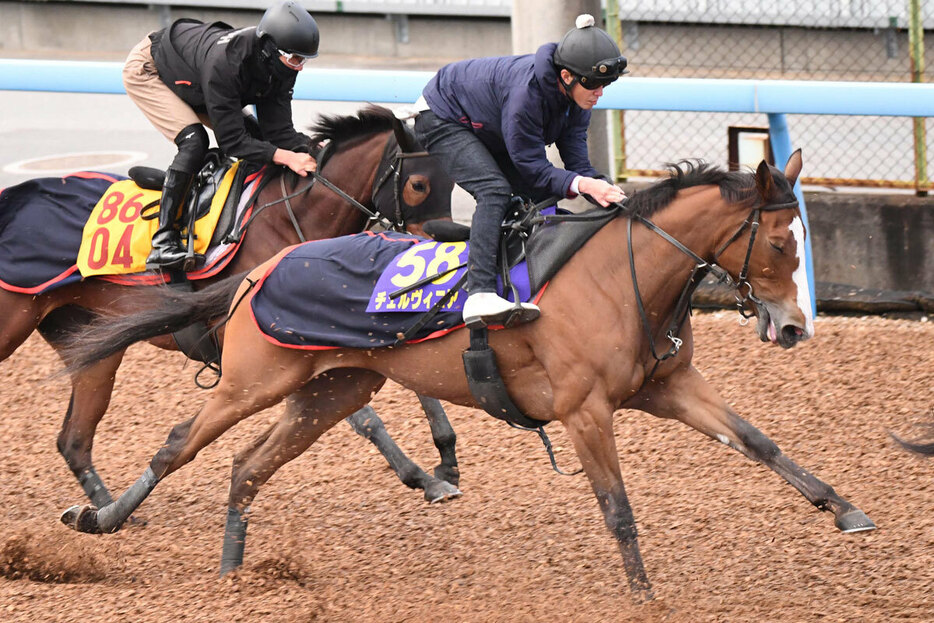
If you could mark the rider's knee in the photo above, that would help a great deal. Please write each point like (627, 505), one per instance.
(192, 144)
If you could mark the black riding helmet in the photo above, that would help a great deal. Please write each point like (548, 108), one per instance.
(291, 28)
(590, 55)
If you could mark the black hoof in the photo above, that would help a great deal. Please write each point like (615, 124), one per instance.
(448, 474)
(642, 596)
(82, 519)
(854, 520)
(441, 491)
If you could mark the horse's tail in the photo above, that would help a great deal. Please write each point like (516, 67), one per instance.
(921, 447)
(167, 310)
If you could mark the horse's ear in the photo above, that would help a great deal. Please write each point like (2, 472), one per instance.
(406, 141)
(793, 168)
(764, 183)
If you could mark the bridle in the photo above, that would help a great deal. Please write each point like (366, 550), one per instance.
(393, 171)
(701, 269)
(390, 167)
(752, 222)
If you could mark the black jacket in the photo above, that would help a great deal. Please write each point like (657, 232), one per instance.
(219, 70)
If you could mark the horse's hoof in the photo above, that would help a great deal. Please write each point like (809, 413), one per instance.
(82, 519)
(441, 492)
(854, 521)
(448, 474)
(642, 596)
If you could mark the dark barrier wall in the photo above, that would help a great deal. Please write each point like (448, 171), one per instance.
(878, 241)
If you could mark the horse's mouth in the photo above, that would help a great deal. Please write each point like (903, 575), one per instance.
(785, 335)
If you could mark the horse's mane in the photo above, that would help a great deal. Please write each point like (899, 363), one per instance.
(342, 128)
(734, 185)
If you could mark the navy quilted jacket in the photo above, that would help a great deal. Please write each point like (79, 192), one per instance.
(513, 105)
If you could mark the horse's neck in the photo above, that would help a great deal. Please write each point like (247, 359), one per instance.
(353, 170)
(698, 218)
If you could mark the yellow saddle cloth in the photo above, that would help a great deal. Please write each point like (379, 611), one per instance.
(117, 239)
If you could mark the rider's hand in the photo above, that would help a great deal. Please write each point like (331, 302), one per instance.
(302, 164)
(603, 193)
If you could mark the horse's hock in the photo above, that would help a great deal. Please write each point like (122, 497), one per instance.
(872, 253)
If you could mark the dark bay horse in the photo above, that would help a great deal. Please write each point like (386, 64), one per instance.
(606, 316)
(409, 190)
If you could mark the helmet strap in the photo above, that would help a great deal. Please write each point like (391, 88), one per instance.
(575, 79)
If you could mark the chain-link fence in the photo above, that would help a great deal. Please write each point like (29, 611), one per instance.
(830, 40)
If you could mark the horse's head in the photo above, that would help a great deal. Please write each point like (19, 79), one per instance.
(415, 188)
(770, 258)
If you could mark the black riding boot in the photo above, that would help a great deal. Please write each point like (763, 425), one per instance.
(167, 250)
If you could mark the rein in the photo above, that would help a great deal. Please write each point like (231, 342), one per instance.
(393, 170)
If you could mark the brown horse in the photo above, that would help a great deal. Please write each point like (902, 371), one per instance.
(595, 349)
(289, 210)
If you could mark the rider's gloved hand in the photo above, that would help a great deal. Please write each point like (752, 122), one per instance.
(602, 192)
(301, 163)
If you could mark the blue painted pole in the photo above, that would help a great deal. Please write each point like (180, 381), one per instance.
(631, 93)
(780, 139)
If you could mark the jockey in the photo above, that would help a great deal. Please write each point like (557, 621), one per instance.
(488, 121)
(193, 73)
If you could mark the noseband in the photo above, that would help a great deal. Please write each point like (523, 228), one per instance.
(701, 269)
(752, 222)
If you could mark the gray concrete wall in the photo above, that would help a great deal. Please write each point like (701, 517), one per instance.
(873, 240)
(108, 31)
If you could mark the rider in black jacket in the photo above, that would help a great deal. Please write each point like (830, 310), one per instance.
(193, 74)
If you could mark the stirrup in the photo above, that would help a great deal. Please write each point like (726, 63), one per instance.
(159, 263)
(519, 313)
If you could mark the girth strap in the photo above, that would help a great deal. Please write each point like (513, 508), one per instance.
(486, 383)
(487, 387)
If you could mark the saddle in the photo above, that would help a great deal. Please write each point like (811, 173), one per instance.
(197, 341)
(198, 202)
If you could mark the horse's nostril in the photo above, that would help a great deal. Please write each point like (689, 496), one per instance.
(792, 333)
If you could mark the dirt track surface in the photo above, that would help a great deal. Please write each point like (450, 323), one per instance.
(335, 537)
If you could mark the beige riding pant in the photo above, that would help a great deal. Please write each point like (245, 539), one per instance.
(164, 109)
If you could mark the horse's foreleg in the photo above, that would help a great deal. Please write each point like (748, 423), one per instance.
(592, 435)
(91, 390)
(367, 424)
(445, 439)
(306, 418)
(687, 397)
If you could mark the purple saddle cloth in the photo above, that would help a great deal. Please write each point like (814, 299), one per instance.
(336, 293)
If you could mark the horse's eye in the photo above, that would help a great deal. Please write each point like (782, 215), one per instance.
(419, 187)
(778, 247)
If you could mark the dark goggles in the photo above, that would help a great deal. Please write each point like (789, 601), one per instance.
(604, 72)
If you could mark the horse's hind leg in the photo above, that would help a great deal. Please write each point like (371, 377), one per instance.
(91, 390)
(686, 396)
(309, 412)
(257, 375)
(19, 319)
(367, 424)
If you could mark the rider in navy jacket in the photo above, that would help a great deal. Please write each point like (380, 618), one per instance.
(514, 107)
(488, 121)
